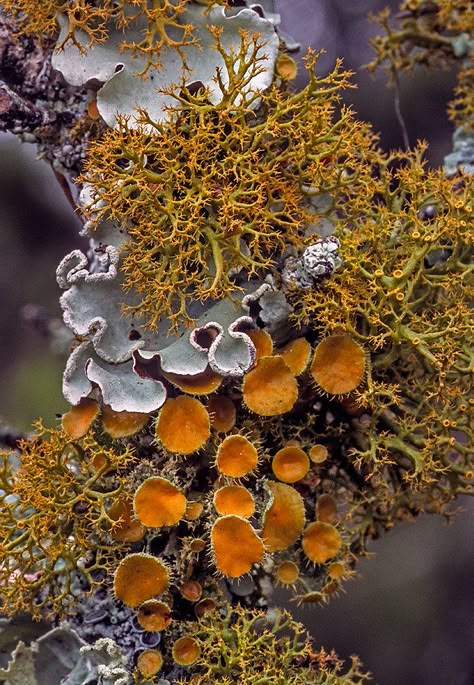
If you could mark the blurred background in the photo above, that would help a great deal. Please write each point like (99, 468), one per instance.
(409, 615)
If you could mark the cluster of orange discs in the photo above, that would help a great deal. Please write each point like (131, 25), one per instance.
(243, 517)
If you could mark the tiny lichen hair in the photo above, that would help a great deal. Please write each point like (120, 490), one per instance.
(52, 518)
(219, 188)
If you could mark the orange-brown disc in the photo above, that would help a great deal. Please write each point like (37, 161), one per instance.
(139, 577)
(270, 389)
(222, 412)
(326, 509)
(318, 454)
(200, 384)
(263, 342)
(183, 425)
(149, 662)
(128, 528)
(338, 365)
(154, 615)
(77, 421)
(287, 573)
(235, 545)
(157, 502)
(122, 424)
(290, 464)
(296, 354)
(234, 499)
(284, 519)
(236, 456)
(186, 651)
(321, 542)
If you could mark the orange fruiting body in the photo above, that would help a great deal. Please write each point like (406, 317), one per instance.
(193, 510)
(77, 421)
(326, 509)
(149, 662)
(284, 519)
(296, 355)
(290, 464)
(287, 573)
(154, 615)
(200, 384)
(236, 546)
(186, 651)
(205, 606)
(222, 412)
(139, 577)
(318, 454)
(321, 542)
(157, 503)
(234, 499)
(236, 456)
(191, 590)
(128, 528)
(338, 364)
(263, 343)
(286, 67)
(183, 425)
(270, 388)
(122, 424)
(336, 570)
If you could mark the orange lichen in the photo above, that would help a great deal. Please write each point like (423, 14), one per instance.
(128, 528)
(193, 510)
(205, 606)
(290, 464)
(287, 573)
(296, 354)
(77, 421)
(310, 598)
(200, 384)
(191, 590)
(121, 424)
(270, 388)
(236, 456)
(154, 615)
(263, 343)
(139, 577)
(222, 412)
(235, 545)
(336, 570)
(318, 454)
(338, 365)
(326, 509)
(320, 542)
(186, 651)
(284, 519)
(183, 425)
(157, 503)
(149, 662)
(197, 545)
(286, 67)
(234, 499)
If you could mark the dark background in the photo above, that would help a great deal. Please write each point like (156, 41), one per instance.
(409, 615)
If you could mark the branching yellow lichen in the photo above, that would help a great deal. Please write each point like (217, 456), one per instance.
(222, 188)
(246, 647)
(161, 23)
(405, 294)
(52, 519)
